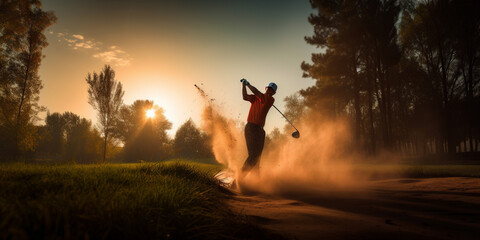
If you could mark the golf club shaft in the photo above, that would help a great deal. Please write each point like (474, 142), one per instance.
(285, 117)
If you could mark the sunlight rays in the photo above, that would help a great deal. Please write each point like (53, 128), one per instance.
(150, 113)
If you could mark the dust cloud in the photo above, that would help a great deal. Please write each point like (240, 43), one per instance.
(317, 161)
(227, 143)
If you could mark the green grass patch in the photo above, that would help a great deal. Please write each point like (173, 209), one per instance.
(118, 201)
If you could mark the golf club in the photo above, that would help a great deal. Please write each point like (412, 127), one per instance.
(295, 134)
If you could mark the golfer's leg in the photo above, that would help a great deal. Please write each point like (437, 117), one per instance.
(250, 139)
(257, 146)
(260, 141)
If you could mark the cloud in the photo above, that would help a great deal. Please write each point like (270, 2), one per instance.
(84, 45)
(108, 54)
(77, 36)
(115, 57)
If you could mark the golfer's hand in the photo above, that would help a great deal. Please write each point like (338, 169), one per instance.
(244, 81)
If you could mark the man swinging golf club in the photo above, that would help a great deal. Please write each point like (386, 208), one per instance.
(254, 133)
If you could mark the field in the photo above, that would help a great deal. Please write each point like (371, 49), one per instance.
(175, 200)
(182, 200)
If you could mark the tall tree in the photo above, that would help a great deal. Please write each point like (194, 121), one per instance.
(356, 70)
(105, 94)
(380, 56)
(358, 43)
(400, 88)
(338, 33)
(22, 24)
(468, 48)
(429, 33)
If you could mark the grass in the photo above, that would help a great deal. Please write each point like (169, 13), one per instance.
(175, 200)
(379, 171)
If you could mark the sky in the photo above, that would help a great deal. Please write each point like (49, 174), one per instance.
(160, 49)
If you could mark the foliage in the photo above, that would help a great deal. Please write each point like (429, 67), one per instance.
(105, 94)
(22, 24)
(191, 142)
(400, 82)
(68, 137)
(141, 201)
(296, 109)
(144, 138)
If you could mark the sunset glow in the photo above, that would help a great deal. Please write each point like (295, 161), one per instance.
(150, 113)
(273, 119)
(157, 56)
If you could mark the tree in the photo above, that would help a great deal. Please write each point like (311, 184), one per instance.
(22, 24)
(436, 34)
(295, 107)
(68, 137)
(338, 31)
(83, 143)
(55, 138)
(191, 142)
(359, 52)
(143, 138)
(468, 47)
(105, 94)
(413, 90)
(380, 56)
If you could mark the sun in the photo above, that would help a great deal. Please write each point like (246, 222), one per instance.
(150, 113)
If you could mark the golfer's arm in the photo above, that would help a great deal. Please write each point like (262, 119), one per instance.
(255, 91)
(244, 92)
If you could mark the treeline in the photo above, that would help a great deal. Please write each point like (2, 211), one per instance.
(123, 133)
(405, 73)
(69, 138)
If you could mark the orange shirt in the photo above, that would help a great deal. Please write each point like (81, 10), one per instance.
(259, 108)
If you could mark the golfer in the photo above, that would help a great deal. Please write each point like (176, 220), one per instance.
(254, 133)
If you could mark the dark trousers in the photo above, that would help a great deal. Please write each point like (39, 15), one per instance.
(255, 138)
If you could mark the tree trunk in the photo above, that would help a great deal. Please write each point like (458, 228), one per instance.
(370, 111)
(105, 147)
(450, 139)
(372, 126)
(24, 88)
(383, 114)
(388, 109)
(358, 114)
(356, 96)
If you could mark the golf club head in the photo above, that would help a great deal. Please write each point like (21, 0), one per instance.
(296, 134)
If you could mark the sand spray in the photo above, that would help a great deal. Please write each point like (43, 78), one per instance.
(317, 161)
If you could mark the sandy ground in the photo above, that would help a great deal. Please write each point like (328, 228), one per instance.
(433, 208)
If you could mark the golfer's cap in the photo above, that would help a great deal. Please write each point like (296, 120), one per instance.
(273, 86)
